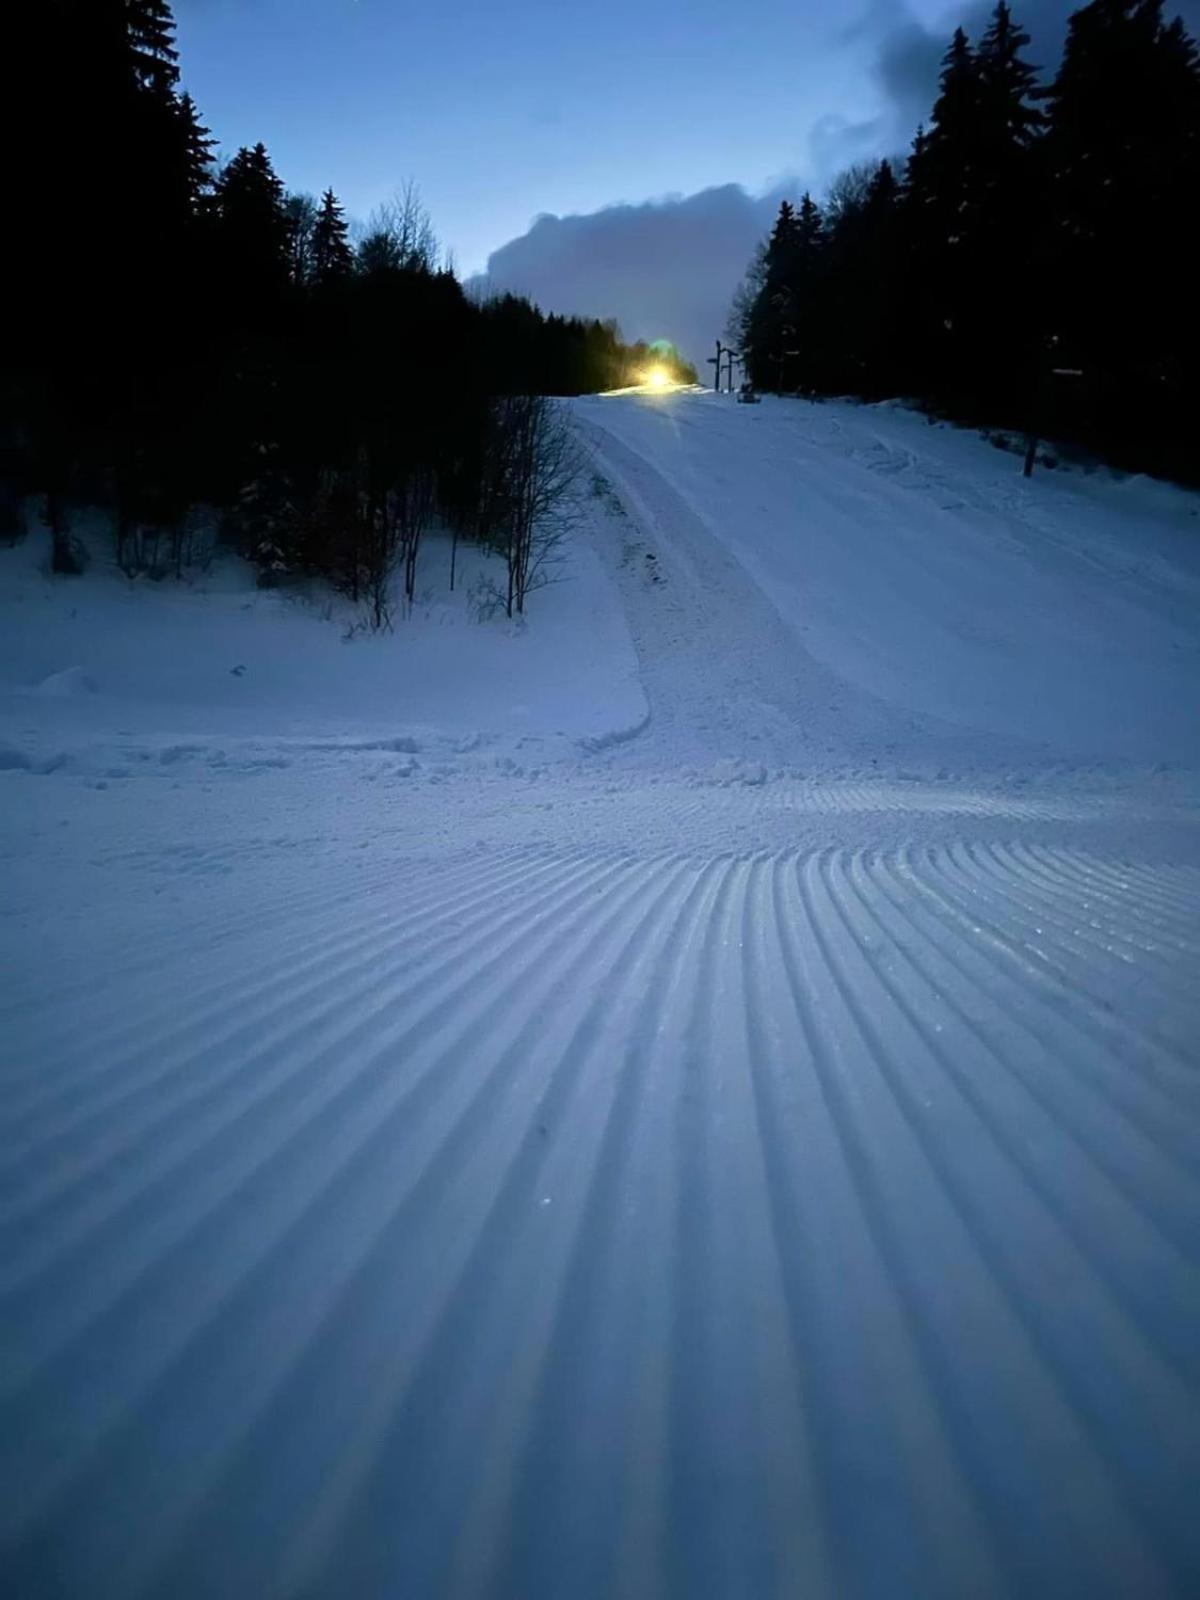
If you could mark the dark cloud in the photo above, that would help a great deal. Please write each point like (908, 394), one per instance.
(910, 54)
(907, 70)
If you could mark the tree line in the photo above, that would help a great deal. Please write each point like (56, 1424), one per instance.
(192, 334)
(1030, 263)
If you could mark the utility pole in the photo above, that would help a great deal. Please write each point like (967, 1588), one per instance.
(730, 357)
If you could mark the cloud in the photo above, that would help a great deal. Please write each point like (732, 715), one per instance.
(666, 269)
(907, 71)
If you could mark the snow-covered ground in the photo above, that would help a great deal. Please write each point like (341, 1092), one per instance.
(696, 1096)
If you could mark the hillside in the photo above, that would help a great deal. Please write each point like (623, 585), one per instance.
(693, 1096)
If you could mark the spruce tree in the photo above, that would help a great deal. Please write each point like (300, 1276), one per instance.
(154, 195)
(782, 250)
(943, 161)
(859, 300)
(332, 257)
(150, 32)
(782, 346)
(195, 148)
(1122, 173)
(252, 227)
(152, 205)
(806, 360)
(378, 254)
(771, 323)
(1001, 321)
(1006, 86)
(108, 328)
(941, 216)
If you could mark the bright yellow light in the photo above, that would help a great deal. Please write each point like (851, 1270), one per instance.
(657, 378)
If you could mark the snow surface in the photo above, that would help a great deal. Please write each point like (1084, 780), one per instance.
(693, 1096)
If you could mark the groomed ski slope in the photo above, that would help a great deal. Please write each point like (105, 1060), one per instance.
(711, 1111)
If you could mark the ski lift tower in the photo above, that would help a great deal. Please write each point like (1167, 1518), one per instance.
(722, 364)
(715, 363)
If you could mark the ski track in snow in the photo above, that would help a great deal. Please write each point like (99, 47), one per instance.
(753, 1177)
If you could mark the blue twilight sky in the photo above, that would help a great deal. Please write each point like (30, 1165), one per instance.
(503, 109)
(610, 157)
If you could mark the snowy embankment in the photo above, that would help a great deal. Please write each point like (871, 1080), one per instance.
(217, 660)
(697, 1096)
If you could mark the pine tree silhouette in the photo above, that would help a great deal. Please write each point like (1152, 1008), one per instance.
(1001, 326)
(1122, 171)
(196, 153)
(150, 32)
(333, 259)
(252, 226)
(942, 208)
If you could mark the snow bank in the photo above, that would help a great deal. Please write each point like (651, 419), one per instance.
(220, 659)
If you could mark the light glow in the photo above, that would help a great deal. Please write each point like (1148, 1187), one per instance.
(657, 378)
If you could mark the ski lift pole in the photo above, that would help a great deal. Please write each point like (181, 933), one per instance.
(715, 363)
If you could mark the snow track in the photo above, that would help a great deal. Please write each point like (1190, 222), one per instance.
(733, 1180)
(777, 1223)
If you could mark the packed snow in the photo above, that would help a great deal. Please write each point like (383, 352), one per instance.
(691, 1094)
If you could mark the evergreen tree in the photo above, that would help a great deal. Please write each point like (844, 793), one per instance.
(941, 216)
(769, 325)
(1034, 268)
(155, 196)
(265, 521)
(783, 347)
(943, 162)
(379, 254)
(1122, 170)
(332, 257)
(1001, 322)
(252, 226)
(806, 359)
(1009, 122)
(195, 148)
(150, 33)
(99, 373)
(163, 356)
(860, 302)
(884, 192)
(771, 320)
(780, 244)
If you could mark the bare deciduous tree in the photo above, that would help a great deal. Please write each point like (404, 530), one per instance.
(528, 495)
(745, 297)
(414, 499)
(848, 192)
(378, 540)
(406, 226)
(301, 210)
